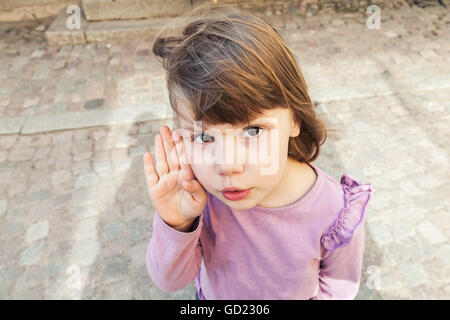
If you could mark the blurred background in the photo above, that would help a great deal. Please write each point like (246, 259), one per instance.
(82, 98)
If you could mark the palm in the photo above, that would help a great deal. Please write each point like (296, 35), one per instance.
(169, 193)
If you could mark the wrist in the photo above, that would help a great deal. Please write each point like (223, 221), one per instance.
(186, 226)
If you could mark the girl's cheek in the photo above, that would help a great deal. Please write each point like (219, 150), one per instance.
(192, 154)
(198, 154)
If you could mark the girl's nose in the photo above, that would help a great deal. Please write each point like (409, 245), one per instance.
(227, 169)
(229, 157)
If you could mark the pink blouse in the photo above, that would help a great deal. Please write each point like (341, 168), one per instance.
(310, 249)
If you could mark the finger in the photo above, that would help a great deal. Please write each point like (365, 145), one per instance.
(150, 174)
(186, 170)
(161, 164)
(169, 148)
(193, 187)
(177, 138)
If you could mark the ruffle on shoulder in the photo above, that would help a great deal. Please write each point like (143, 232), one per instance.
(356, 197)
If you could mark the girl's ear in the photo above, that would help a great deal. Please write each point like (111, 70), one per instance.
(295, 130)
(295, 127)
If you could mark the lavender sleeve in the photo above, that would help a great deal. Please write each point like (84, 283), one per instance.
(340, 271)
(341, 262)
(173, 257)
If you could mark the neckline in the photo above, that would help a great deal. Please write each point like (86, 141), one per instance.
(305, 197)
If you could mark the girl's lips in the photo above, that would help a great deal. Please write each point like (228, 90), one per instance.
(236, 195)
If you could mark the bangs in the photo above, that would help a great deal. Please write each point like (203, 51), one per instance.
(215, 108)
(223, 72)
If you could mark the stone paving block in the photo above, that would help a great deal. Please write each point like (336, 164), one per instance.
(39, 197)
(37, 186)
(60, 176)
(106, 176)
(125, 141)
(3, 206)
(82, 167)
(138, 151)
(11, 230)
(62, 137)
(61, 199)
(139, 229)
(114, 268)
(409, 186)
(103, 144)
(119, 154)
(32, 254)
(30, 278)
(414, 274)
(119, 291)
(16, 213)
(380, 234)
(82, 146)
(85, 180)
(114, 230)
(7, 142)
(80, 135)
(121, 164)
(431, 232)
(82, 156)
(86, 228)
(7, 274)
(16, 189)
(444, 253)
(21, 154)
(84, 196)
(137, 252)
(101, 166)
(85, 252)
(87, 212)
(37, 231)
(58, 289)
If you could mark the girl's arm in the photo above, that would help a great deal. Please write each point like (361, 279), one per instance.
(340, 271)
(173, 257)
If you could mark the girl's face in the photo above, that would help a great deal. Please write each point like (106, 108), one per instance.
(251, 157)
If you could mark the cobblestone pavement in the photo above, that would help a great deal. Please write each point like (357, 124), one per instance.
(76, 200)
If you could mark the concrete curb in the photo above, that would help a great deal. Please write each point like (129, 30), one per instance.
(78, 120)
(58, 34)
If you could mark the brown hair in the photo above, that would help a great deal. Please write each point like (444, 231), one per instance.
(231, 68)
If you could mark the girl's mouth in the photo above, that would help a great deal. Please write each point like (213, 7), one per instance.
(235, 195)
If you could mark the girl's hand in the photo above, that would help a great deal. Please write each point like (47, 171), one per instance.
(175, 192)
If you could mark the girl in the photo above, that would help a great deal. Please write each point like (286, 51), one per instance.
(239, 231)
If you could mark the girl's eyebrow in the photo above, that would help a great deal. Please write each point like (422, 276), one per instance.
(261, 120)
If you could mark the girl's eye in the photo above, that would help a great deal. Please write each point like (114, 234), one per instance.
(208, 139)
(254, 131)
